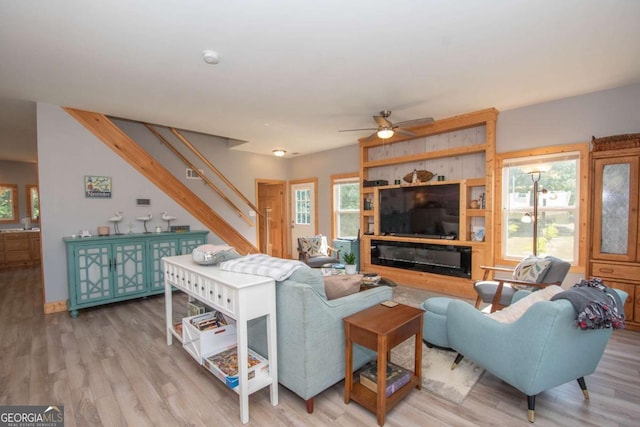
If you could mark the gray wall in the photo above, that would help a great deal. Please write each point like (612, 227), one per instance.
(322, 165)
(570, 120)
(239, 167)
(67, 152)
(21, 174)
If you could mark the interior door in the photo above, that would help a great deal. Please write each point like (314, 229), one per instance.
(304, 211)
(271, 230)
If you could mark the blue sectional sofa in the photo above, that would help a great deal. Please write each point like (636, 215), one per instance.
(311, 343)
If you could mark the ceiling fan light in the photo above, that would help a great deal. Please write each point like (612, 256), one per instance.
(279, 153)
(385, 133)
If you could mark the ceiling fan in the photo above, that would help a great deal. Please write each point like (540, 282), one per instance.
(386, 129)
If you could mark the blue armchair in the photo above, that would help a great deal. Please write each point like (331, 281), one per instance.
(540, 350)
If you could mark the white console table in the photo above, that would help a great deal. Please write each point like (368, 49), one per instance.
(240, 296)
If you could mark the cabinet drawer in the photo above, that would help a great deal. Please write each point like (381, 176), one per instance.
(15, 256)
(616, 271)
(223, 297)
(16, 244)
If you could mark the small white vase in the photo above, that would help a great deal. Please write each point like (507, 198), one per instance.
(350, 269)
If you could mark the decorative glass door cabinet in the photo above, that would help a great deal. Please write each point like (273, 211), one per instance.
(615, 239)
(102, 270)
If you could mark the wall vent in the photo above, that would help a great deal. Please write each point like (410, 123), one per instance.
(191, 174)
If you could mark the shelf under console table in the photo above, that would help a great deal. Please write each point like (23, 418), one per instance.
(242, 297)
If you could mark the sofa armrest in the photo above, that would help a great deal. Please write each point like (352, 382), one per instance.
(311, 339)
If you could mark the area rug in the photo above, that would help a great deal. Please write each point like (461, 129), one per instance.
(437, 376)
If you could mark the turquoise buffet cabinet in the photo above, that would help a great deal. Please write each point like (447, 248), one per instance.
(107, 269)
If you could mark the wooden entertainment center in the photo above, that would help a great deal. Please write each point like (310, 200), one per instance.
(459, 149)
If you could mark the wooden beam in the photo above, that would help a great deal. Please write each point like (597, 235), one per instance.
(105, 130)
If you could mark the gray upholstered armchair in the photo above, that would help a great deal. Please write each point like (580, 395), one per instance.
(531, 272)
(316, 252)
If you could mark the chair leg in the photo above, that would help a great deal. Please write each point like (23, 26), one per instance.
(478, 302)
(309, 403)
(531, 404)
(455, 363)
(583, 387)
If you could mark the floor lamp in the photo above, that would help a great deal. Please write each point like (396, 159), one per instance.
(535, 172)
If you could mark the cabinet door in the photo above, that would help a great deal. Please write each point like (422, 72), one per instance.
(631, 305)
(92, 270)
(615, 208)
(128, 268)
(160, 249)
(188, 244)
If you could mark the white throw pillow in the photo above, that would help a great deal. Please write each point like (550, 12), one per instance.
(314, 246)
(513, 312)
(531, 269)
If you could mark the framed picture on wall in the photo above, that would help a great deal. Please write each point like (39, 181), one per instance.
(98, 187)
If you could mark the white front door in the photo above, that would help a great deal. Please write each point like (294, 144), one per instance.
(303, 212)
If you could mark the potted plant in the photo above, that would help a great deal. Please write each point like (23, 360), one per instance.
(350, 263)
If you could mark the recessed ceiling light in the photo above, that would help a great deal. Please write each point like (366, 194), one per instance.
(279, 152)
(210, 57)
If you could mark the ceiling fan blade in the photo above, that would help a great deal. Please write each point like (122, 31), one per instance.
(369, 138)
(352, 130)
(404, 132)
(416, 122)
(382, 121)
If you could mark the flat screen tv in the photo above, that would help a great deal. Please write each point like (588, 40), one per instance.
(431, 211)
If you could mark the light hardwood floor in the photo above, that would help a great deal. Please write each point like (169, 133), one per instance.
(111, 366)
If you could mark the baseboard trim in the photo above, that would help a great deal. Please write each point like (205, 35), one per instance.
(55, 307)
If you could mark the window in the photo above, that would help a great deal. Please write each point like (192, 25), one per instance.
(346, 206)
(33, 202)
(8, 203)
(303, 207)
(558, 199)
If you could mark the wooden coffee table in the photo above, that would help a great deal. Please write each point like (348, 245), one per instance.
(381, 328)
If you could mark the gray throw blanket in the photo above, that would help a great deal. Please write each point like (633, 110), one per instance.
(598, 306)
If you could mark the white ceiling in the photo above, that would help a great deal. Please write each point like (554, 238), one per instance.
(292, 73)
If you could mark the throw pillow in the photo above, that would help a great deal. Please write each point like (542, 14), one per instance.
(310, 276)
(314, 246)
(213, 254)
(513, 312)
(531, 269)
(341, 285)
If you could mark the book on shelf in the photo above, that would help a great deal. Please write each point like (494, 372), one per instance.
(208, 320)
(196, 307)
(396, 377)
(224, 365)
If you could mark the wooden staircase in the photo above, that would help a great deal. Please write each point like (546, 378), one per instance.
(110, 134)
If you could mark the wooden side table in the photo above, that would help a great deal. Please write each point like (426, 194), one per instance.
(381, 328)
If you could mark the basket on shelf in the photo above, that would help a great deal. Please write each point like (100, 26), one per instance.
(423, 176)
